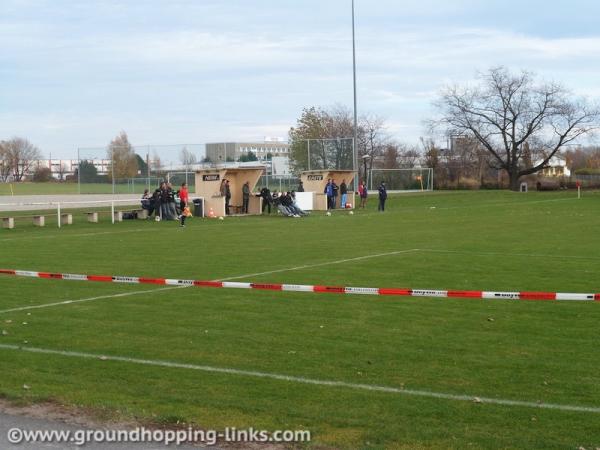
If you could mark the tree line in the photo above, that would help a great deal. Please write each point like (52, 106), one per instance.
(502, 128)
(505, 127)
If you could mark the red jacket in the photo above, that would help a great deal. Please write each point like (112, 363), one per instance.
(183, 195)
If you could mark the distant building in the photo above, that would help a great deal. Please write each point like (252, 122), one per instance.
(556, 167)
(221, 152)
(280, 166)
(60, 168)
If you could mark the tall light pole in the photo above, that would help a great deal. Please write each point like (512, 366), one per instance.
(354, 149)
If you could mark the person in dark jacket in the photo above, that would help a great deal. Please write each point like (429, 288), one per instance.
(343, 193)
(364, 193)
(335, 195)
(328, 191)
(147, 202)
(157, 200)
(227, 196)
(267, 199)
(382, 196)
(245, 197)
(300, 187)
(172, 203)
(165, 211)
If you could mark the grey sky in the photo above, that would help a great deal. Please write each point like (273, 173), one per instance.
(75, 73)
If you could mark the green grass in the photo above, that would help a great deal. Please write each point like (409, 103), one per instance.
(56, 188)
(531, 351)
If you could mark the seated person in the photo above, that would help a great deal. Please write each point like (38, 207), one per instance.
(295, 206)
(283, 209)
(147, 202)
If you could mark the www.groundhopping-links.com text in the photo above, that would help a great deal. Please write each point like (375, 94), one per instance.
(156, 436)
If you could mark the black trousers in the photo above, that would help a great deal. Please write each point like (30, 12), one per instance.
(381, 206)
(182, 205)
(245, 202)
(227, 205)
(266, 204)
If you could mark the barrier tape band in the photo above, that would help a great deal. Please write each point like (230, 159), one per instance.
(491, 295)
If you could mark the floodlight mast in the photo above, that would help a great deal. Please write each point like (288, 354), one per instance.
(355, 140)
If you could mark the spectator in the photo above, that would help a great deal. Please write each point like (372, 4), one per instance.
(282, 203)
(329, 193)
(294, 206)
(227, 197)
(172, 204)
(382, 196)
(165, 211)
(363, 192)
(267, 199)
(245, 197)
(183, 202)
(157, 201)
(300, 187)
(335, 195)
(344, 193)
(147, 202)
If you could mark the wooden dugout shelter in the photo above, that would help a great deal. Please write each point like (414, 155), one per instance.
(208, 185)
(314, 181)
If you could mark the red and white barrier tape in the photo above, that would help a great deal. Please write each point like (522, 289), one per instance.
(493, 295)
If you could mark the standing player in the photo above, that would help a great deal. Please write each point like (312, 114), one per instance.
(382, 196)
(344, 193)
(245, 197)
(183, 202)
(363, 192)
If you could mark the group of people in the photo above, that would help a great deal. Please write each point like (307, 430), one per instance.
(363, 193)
(163, 203)
(285, 202)
(332, 190)
(225, 191)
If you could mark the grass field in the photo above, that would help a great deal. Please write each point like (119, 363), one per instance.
(30, 188)
(538, 352)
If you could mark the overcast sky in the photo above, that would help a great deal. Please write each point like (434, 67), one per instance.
(75, 73)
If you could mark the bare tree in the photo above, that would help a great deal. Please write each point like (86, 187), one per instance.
(506, 111)
(123, 160)
(390, 157)
(431, 158)
(372, 141)
(576, 159)
(61, 170)
(328, 132)
(155, 165)
(21, 156)
(5, 166)
(408, 156)
(187, 158)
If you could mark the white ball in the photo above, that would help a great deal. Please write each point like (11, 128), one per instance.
(157, 218)
(351, 213)
(328, 213)
(221, 218)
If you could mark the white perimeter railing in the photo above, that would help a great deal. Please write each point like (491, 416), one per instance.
(59, 205)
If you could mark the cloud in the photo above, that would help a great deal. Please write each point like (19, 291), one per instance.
(198, 71)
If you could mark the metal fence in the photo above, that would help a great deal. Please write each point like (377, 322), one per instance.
(132, 169)
(400, 180)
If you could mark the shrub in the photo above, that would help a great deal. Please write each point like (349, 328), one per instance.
(42, 175)
(469, 183)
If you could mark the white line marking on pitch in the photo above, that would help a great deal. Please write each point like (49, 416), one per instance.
(313, 381)
(67, 235)
(309, 266)
(530, 255)
(101, 297)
